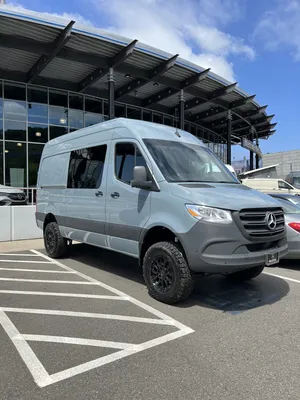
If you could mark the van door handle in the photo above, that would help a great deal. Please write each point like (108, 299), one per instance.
(99, 194)
(115, 195)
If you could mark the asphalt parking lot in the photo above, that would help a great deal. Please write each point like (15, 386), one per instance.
(85, 328)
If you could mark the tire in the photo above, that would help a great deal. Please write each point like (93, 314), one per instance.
(176, 274)
(247, 274)
(56, 246)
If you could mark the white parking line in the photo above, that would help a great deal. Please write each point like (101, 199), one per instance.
(87, 315)
(18, 255)
(282, 277)
(48, 271)
(59, 294)
(78, 341)
(27, 262)
(48, 281)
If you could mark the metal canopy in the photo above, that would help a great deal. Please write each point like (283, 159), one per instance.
(91, 53)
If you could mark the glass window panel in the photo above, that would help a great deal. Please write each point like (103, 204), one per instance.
(14, 91)
(1, 162)
(34, 157)
(86, 168)
(120, 111)
(1, 90)
(1, 129)
(168, 121)
(76, 101)
(37, 95)
(38, 113)
(158, 118)
(15, 164)
(37, 133)
(76, 119)
(92, 119)
(58, 116)
(105, 107)
(15, 130)
(1, 107)
(58, 98)
(56, 131)
(72, 130)
(93, 105)
(127, 156)
(193, 129)
(134, 113)
(15, 110)
(187, 126)
(147, 115)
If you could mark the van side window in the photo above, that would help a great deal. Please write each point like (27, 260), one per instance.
(127, 156)
(86, 168)
(283, 185)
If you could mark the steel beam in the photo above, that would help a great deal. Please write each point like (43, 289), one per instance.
(46, 59)
(98, 73)
(229, 121)
(152, 74)
(222, 91)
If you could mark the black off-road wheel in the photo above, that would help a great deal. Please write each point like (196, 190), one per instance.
(246, 274)
(56, 246)
(167, 274)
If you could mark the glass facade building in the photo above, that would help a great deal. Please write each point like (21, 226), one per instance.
(31, 115)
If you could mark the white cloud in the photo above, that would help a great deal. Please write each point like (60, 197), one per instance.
(190, 28)
(280, 27)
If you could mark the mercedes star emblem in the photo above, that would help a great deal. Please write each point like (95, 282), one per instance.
(271, 221)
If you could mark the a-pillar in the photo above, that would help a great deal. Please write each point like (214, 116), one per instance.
(229, 128)
(111, 94)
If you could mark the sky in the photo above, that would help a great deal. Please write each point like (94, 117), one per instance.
(253, 42)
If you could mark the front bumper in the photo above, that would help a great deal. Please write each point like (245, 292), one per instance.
(222, 248)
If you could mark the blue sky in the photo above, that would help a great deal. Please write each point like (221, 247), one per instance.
(253, 42)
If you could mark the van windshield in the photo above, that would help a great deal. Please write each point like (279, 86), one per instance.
(187, 162)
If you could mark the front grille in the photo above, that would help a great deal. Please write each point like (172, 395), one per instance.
(17, 196)
(255, 222)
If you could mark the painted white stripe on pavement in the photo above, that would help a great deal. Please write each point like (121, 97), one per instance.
(86, 315)
(27, 262)
(47, 271)
(282, 277)
(138, 303)
(18, 255)
(48, 281)
(78, 341)
(59, 294)
(40, 375)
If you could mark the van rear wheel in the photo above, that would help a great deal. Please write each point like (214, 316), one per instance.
(56, 246)
(167, 274)
(246, 274)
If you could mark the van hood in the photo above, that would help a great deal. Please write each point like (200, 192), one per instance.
(9, 189)
(227, 196)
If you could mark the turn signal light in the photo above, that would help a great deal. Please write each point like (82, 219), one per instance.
(295, 226)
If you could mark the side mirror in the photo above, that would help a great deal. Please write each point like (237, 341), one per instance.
(140, 176)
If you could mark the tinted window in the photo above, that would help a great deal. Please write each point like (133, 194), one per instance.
(283, 185)
(288, 207)
(86, 167)
(127, 156)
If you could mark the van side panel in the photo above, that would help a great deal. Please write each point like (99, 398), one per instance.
(52, 182)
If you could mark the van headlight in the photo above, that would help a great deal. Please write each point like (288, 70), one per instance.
(209, 214)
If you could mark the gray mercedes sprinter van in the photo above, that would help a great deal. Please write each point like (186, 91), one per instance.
(158, 194)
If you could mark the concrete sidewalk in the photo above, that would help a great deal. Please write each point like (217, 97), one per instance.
(21, 245)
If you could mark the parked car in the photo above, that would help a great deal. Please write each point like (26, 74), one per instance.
(270, 185)
(160, 195)
(292, 221)
(10, 196)
(294, 199)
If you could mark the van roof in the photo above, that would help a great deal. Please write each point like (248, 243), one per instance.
(139, 129)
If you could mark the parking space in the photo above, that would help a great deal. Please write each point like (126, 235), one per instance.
(86, 328)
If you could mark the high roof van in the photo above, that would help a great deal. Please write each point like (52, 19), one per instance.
(270, 185)
(160, 195)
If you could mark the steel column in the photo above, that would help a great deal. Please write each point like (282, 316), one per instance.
(251, 152)
(229, 126)
(111, 94)
(181, 109)
(256, 155)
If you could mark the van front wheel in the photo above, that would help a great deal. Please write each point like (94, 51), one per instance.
(56, 246)
(167, 274)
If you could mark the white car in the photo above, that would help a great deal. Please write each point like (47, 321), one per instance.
(10, 196)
